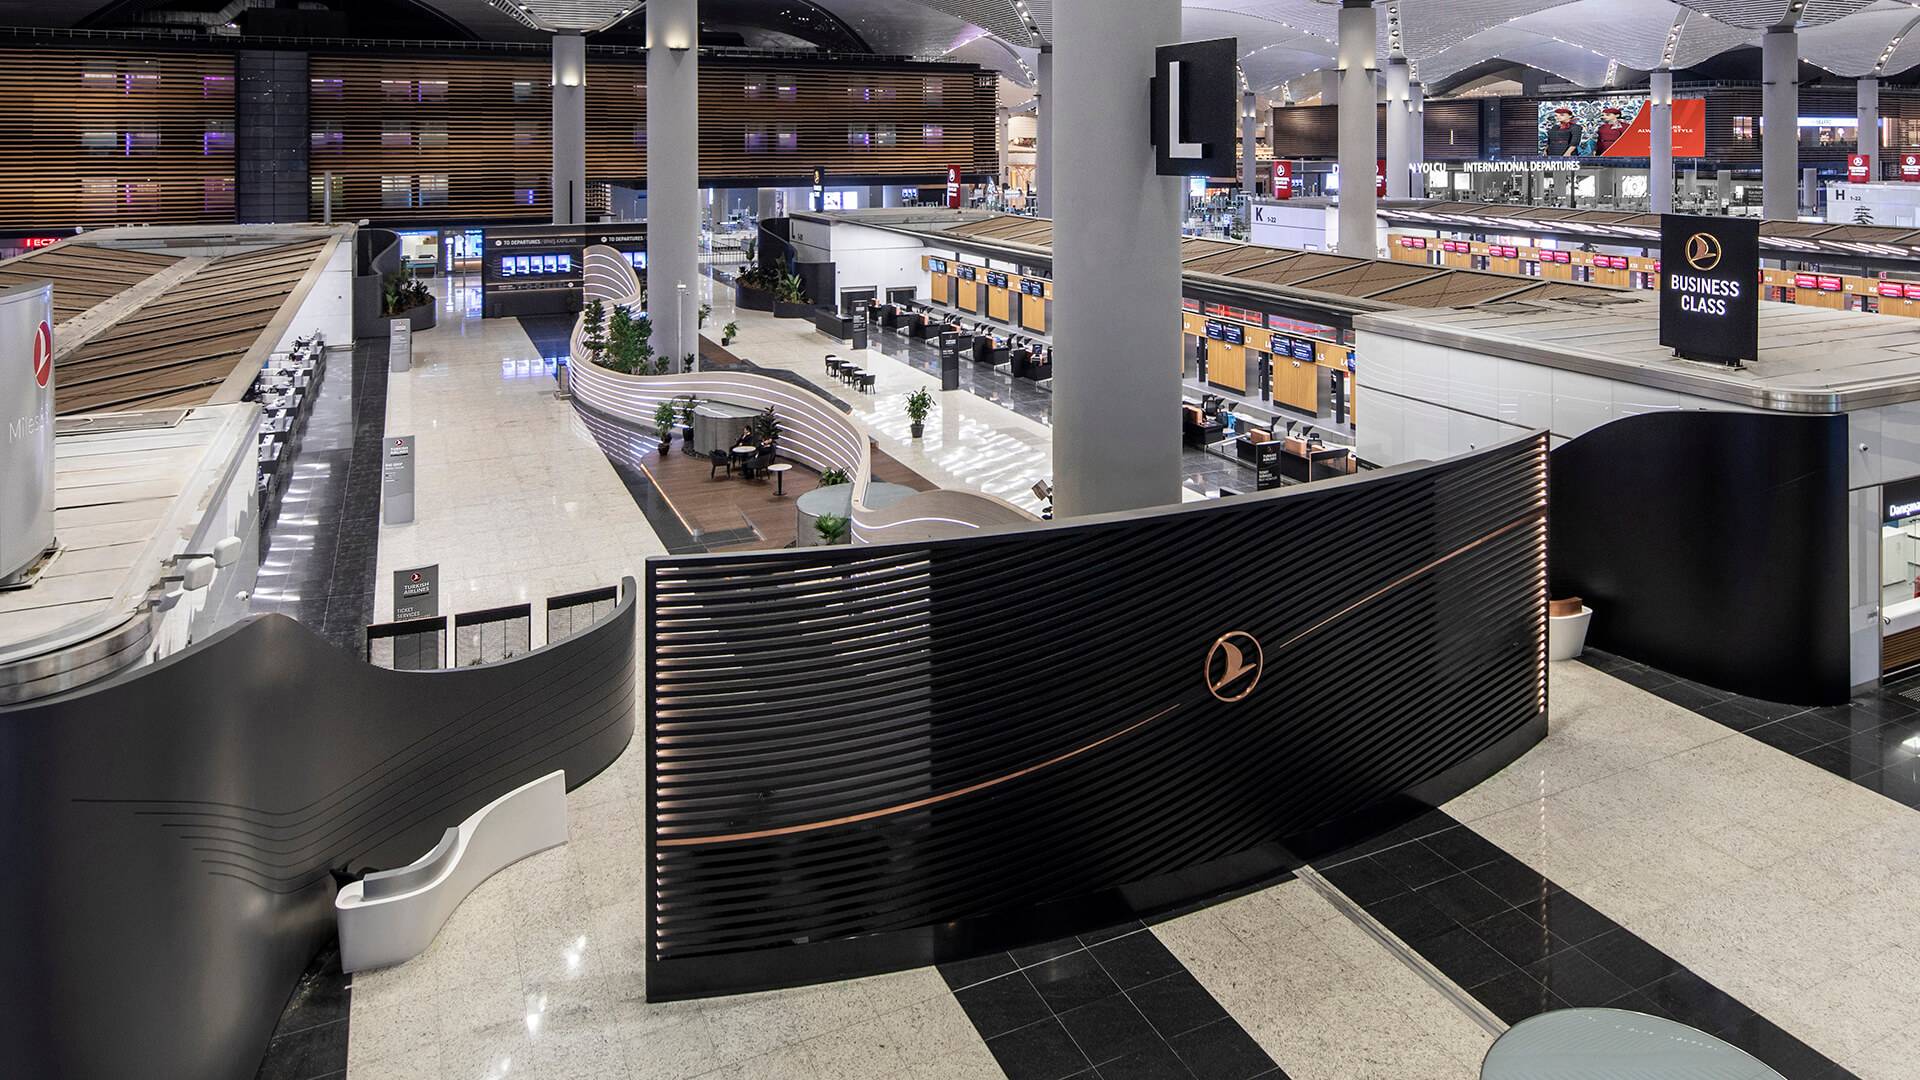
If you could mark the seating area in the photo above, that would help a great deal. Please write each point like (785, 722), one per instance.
(858, 378)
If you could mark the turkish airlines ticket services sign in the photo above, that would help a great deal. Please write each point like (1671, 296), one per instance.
(1710, 287)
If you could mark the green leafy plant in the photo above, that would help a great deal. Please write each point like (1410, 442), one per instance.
(833, 476)
(594, 335)
(664, 417)
(831, 527)
(629, 349)
(919, 404)
(759, 277)
(705, 310)
(789, 289)
(401, 292)
(729, 332)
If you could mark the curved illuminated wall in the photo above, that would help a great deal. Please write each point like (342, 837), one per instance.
(813, 430)
(173, 835)
(874, 757)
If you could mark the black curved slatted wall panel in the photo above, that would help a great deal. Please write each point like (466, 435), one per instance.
(864, 758)
(175, 833)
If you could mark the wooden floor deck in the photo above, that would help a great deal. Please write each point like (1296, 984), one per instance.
(731, 513)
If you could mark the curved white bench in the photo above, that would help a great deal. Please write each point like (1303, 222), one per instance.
(392, 916)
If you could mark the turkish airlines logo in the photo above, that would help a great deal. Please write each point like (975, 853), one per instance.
(43, 355)
(1233, 665)
(1703, 251)
(415, 578)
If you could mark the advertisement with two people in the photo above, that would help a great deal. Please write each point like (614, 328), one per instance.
(1616, 127)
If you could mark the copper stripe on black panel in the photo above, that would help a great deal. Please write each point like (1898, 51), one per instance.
(865, 757)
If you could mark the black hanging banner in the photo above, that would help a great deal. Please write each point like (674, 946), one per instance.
(1710, 287)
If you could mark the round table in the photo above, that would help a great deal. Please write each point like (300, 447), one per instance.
(1577, 1044)
(779, 477)
(745, 455)
(833, 364)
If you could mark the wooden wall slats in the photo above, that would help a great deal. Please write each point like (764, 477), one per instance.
(103, 138)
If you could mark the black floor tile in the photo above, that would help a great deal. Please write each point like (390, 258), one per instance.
(1692, 1000)
(1518, 938)
(1817, 727)
(1157, 1062)
(1414, 863)
(1364, 881)
(1840, 761)
(1691, 695)
(1645, 678)
(1732, 715)
(1176, 1004)
(1464, 848)
(1002, 1005)
(1511, 880)
(1222, 1050)
(1136, 959)
(1110, 1028)
(1767, 710)
(961, 974)
(1571, 919)
(1629, 958)
(1463, 898)
(1576, 979)
(1034, 954)
(1517, 996)
(1781, 737)
(1111, 932)
(1464, 958)
(1039, 1051)
(1070, 981)
(1778, 1050)
(303, 1055)
(1412, 918)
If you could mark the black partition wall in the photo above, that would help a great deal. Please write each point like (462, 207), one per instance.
(872, 757)
(174, 837)
(1712, 545)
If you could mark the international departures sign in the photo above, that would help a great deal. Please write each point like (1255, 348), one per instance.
(1710, 287)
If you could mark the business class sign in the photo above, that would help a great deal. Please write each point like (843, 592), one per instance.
(1710, 287)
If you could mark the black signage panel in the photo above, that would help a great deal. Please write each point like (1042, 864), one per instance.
(1196, 107)
(1900, 500)
(1033, 286)
(996, 279)
(416, 593)
(1710, 287)
(819, 194)
(1266, 465)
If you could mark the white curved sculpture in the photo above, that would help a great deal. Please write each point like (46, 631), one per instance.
(392, 916)
(813, 430)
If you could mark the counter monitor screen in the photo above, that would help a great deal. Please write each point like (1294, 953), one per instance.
(1213, 331)
(966, 273)
(996, 279)
(1233, 333)
(1303, 350)
(937, 266)
(1033, 287)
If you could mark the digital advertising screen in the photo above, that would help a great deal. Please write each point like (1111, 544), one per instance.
(1616, 127)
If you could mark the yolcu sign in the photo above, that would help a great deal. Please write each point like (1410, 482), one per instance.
(1709, 287)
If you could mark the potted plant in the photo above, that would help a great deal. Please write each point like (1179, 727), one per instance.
(664, 414)
(629, 348)
(705, 310)
(790, 298)
(729, 332)
(403, 296)
(594, 331)
(765, 427)
(919, 404)
(831, 527)
(832, 477)
(754, 288)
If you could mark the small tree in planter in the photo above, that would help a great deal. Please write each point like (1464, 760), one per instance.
(919, 404)
(401, 293)
(629, 349)
(729, 332)
(664, 414)
(594, 335)
(705, 310)
(831, 527)
(832, 477)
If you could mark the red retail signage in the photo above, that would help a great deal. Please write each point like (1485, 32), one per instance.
(1283, 179)
(1890, 288)
(1805, 281)
(1910, 167)
(953, 187)
(1859, 169)
(1830, 284)
(1380, 178)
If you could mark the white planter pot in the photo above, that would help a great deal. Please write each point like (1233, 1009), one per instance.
(1567, 634)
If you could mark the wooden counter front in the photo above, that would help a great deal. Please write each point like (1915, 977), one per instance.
(1297, 384)
(1227, 366)
(942, 289)
(968, 298)
(997, 306)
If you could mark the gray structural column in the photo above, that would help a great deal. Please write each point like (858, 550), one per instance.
(1002, 116)
(1043, 136)
(1249, 137)
(1660, 133)
(569, 129)
(673, 177)
(1400, 119)
(1116, 265)
(1780, 124)
(1359, 204)
(1417, 184)
(1867, 100)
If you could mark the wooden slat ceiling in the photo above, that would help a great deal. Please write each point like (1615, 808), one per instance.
(178, 348)
(83, 275)
(1370, 278)
(1237, 259)
(105, 138)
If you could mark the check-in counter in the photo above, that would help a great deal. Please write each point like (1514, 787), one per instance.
(1296, 384)
(1300, 460)
(1027, 366)
(990, 350)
